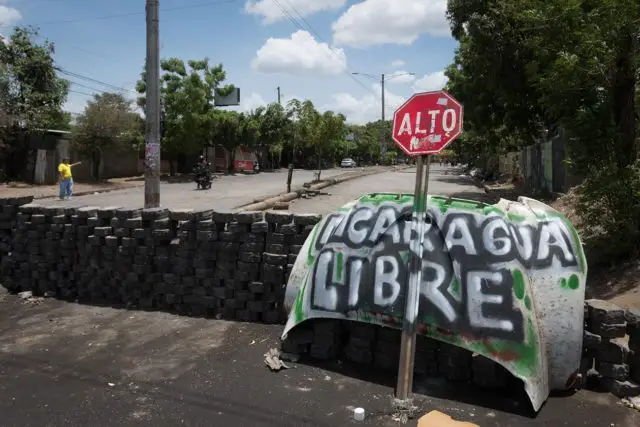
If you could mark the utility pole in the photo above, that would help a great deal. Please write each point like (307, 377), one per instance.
(279, 95)
(152, 131)
(383, 79)
(383, 142)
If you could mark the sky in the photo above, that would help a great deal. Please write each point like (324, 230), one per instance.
(308, 48)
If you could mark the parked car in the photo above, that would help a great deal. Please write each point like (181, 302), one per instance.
(348, 163)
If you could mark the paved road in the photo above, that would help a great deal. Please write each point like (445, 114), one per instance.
(227, 192)
(67, 365)
(443, 180)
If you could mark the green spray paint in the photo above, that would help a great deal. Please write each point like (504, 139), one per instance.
(339, 266)
(298, 309)
(573, 282)
(455, 288)
(314, 234)
(527, 302)
(492, 210)
(518, 284)
(513, 216)
(575, 237)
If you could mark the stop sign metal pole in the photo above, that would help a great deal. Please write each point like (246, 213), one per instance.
(418, 228)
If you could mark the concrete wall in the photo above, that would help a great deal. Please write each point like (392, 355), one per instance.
(236, 266)
(114, 164)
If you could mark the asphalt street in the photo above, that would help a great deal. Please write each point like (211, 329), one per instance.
(68, 365)
(226, 193)
(443, 180)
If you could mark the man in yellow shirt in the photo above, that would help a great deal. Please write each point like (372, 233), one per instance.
(66, 179)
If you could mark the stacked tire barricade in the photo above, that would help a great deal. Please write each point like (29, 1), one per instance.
(611, 349)
(236, 266)
(371, 345)
(8, 214)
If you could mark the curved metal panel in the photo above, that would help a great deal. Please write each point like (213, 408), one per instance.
(506, 281)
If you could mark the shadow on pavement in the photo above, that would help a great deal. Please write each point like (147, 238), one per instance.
(512, 400)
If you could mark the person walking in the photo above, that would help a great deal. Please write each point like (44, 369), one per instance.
(66, 178)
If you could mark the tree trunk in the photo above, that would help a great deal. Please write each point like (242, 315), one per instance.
(232, 159)
(624, 95)
(96, 162)
(319, 164)
(172, 165)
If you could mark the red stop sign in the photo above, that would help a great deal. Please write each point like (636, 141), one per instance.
(427, 123)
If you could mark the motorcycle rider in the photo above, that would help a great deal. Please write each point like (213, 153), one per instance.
(201, 170)
(201, 166)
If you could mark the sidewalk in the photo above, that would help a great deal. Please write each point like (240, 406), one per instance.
(21, 189)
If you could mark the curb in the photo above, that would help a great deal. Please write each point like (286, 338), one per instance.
(269, 202)
(481, 184)
(87, 192)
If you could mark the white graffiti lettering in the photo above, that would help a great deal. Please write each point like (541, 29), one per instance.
(464, 284)
(497, 246)
(324, 297)
(387, 275)
(479, 299)
(430, 288)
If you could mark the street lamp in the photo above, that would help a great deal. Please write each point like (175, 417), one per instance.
(383, 78)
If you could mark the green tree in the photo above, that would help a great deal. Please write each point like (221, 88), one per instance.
(107, 123)
(226, 131)
(30, 90)
(188, 93)
(294, 108)
(31, 93)
(274, 129)
(322, 131)
(525, 68)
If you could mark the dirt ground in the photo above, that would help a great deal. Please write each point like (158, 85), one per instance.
(69, 365)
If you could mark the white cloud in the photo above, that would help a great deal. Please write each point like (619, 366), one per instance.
(398, 63)
(9, 15)
(430, 82)
(375, 22)
(401, 77)
(272, 11)
(300, 54)
(365, 109)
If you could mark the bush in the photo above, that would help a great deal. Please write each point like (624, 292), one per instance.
(609, 210)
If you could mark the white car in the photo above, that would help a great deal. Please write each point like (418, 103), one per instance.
(348, 163)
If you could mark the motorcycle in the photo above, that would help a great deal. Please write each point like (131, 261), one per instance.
(202, 176)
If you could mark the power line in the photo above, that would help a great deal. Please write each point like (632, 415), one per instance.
(297, 24)
(82, 93)
(84, 86)
(127, 14)
(319, 37)
(90, 79)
